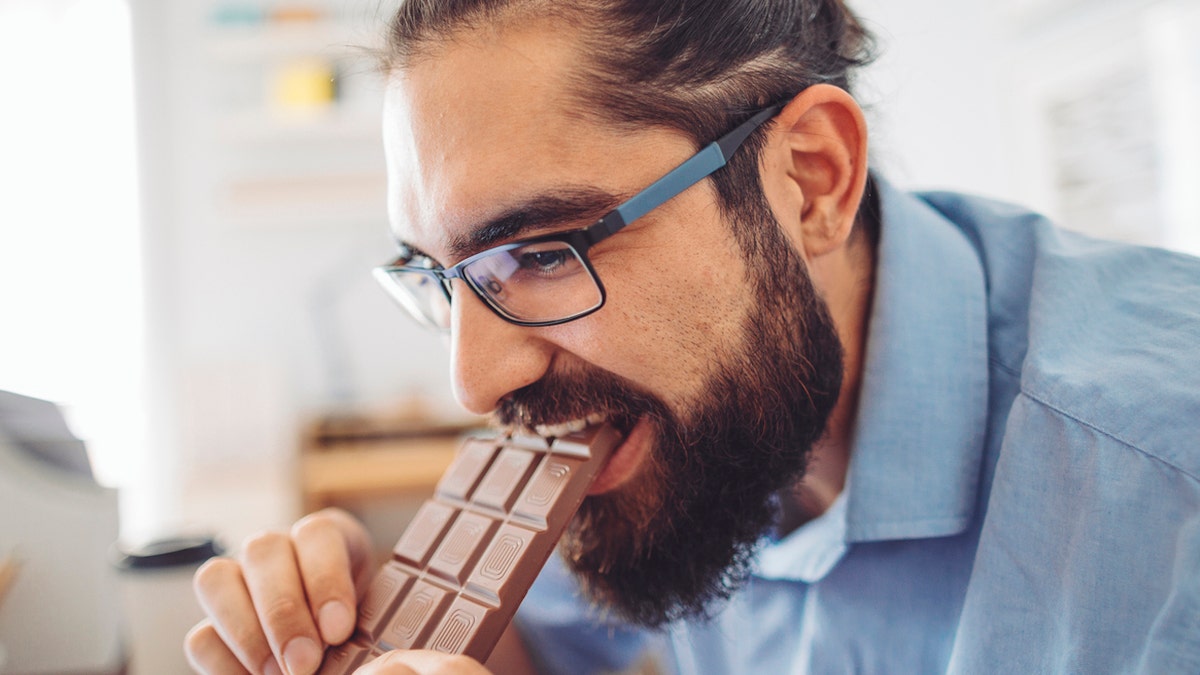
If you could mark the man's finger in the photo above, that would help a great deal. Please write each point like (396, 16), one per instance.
(221, 591)
(321, 551)
(273, 579)
(358, 545)
(422, 662)
(208, 654)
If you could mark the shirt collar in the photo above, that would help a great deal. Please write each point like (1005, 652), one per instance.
(810, 551)
(922, 414)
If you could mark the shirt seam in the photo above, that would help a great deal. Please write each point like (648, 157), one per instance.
(1033, 397)
(1013, 372)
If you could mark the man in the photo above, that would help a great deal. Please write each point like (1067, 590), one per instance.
(866, 431)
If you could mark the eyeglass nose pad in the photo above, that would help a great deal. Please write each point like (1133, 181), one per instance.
(447, 288)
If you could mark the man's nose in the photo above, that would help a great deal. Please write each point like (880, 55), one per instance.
(490, 357)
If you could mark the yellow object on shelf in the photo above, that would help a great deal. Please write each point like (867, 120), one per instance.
(305, 84)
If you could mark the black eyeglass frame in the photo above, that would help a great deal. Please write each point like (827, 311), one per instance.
(693, 170)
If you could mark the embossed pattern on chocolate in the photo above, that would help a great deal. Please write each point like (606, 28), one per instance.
(467, 559)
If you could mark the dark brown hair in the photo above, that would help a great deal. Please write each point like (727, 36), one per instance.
(697, 66)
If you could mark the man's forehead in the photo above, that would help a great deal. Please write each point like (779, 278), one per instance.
(488, 139)
(453, 214)
(476, 126)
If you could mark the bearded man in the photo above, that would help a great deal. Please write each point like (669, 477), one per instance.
(864, 430)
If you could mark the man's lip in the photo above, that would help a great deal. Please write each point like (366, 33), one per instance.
(625, 460)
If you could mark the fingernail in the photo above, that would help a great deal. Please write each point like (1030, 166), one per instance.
(301, 656)
(336, 621)
(271, 668)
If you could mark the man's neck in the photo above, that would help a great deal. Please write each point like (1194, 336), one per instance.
(846, 281)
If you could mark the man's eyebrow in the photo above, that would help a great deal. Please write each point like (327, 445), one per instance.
(562, 206)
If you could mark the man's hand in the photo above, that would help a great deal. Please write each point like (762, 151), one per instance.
(286, 597)
(422, 663)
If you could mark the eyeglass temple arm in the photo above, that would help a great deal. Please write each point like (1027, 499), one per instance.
(695, 169)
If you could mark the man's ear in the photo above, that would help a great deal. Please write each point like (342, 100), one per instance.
(815, 168)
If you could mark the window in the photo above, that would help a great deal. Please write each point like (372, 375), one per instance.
(71, 316)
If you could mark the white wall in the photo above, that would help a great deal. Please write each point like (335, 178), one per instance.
(934, 99)
(1081, 109)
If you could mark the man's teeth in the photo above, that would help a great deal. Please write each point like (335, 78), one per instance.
(564, 428)
(560, 429)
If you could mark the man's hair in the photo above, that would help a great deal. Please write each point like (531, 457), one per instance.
(696, 66)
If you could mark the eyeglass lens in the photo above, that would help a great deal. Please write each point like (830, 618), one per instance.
(420, 294)
(535, 282)
(542, 281)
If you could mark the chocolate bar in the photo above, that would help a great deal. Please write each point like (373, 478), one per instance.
(472, 551)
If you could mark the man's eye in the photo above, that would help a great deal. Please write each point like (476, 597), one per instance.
(545, 261)
(423, 261)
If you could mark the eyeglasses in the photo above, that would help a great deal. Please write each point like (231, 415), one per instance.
(547, 280)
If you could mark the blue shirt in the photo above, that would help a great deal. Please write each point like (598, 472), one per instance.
(1023, 494)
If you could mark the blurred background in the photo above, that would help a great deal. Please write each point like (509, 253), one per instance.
(192, 195)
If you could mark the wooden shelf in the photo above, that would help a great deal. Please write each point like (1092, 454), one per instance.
(373, 469)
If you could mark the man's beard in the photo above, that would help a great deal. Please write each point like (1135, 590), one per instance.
(682, 533)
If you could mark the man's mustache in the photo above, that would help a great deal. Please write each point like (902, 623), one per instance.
(586, 390)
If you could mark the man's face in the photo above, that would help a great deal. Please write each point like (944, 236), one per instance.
(720, 370)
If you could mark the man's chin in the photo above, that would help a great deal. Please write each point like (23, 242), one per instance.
(640, 553)
(645, 589)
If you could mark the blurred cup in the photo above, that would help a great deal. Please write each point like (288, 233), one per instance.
(158, 602)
